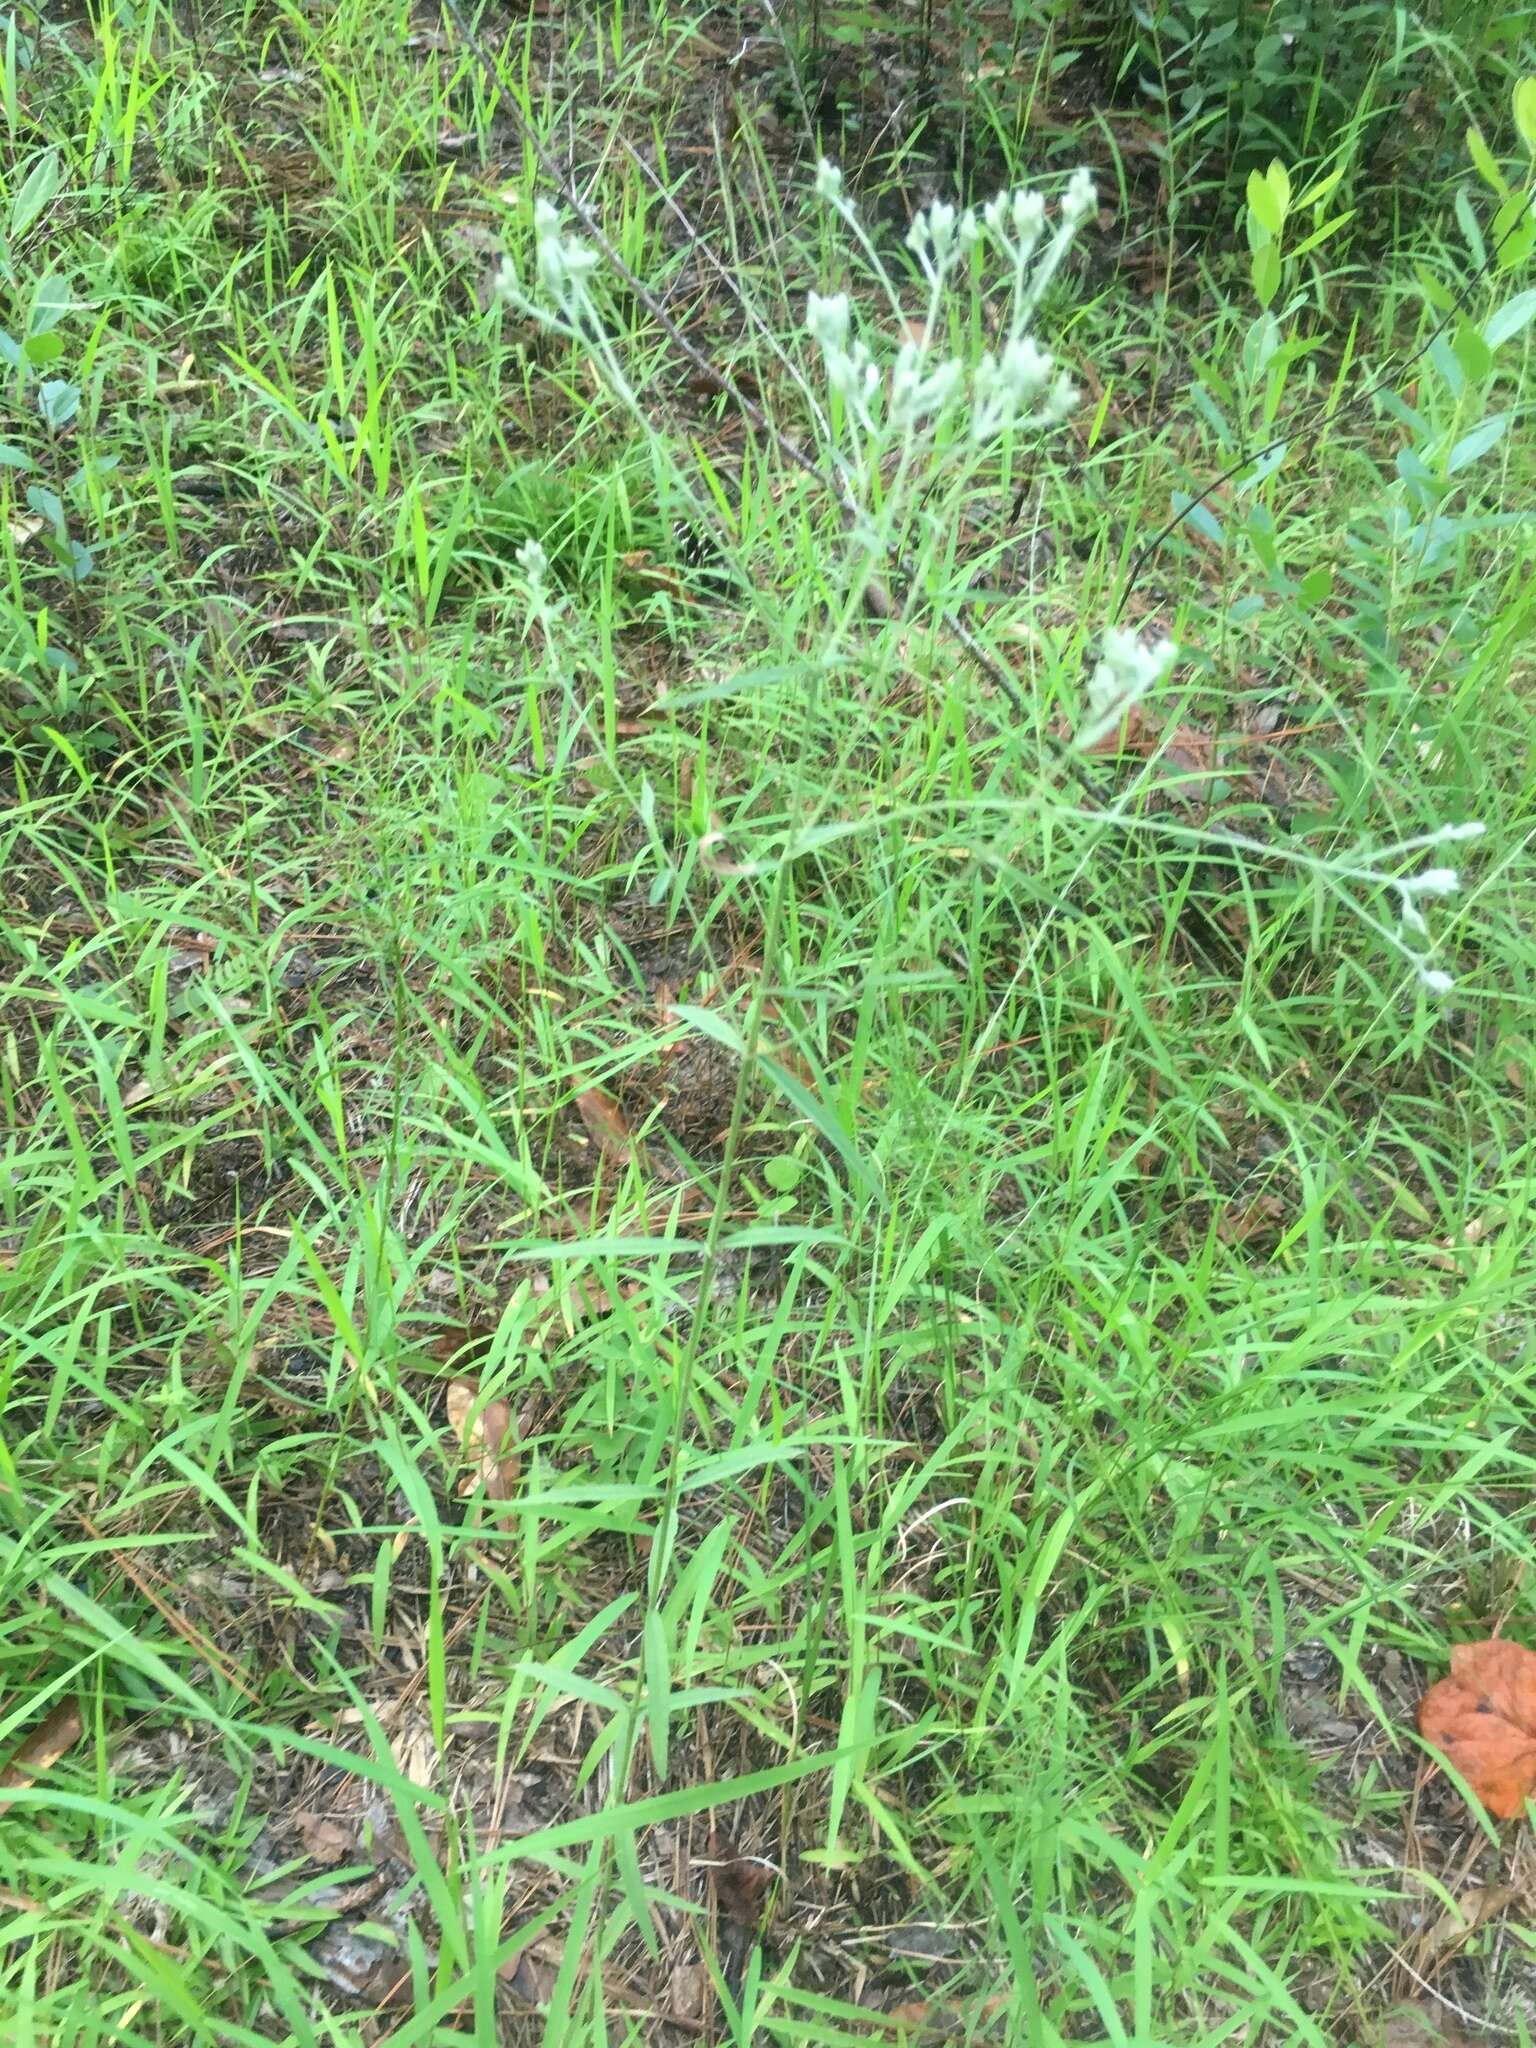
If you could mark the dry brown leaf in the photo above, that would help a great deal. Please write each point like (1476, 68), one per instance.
(1483, 1719)
(1418, 2026)
(607, 1126)
(688, 1991)
(740, 1881)
(1460, 1922)
(1263, 1213)
(57, 1732)
(530, 1974)
(325, 1841)
(487, 1434)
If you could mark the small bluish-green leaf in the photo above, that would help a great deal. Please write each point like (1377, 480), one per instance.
(58, 401)
(1264, 465)
(783, 1173)
(1472, 235)
(47, 505)
(1199, 516)
(50, 302)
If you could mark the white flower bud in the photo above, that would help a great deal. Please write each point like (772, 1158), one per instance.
(1432, 882)
(1028, 210)
(1025, 370)
(1436, 980)
(1063, 401)
(826, 321)
(915, 395)
(1081, 198)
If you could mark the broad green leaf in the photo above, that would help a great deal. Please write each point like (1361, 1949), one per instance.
(1434, 291)
(1506, 321)
(1316, 587)
(1263, 204)
(1525, 112)
(38, 191)
(1514, 231)
(1482, 156)
(1478, 442)
(1472, 352)
(1278, 179)
(1266, 273)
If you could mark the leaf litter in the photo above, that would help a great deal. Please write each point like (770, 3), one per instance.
(487, 1436)
(55, 1735)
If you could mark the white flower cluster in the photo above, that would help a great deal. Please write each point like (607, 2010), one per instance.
(544, 607)
(1429, 885)
(851, 370)
(563, 265)
(1016, 385)
(1126, 671)
(564, 262)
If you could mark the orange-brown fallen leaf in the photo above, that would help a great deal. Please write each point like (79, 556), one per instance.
(54, 1734)
(488, 1435)
(1482, 1719)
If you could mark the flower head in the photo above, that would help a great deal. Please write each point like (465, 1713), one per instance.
(1126, 671)
(564, 262)
(827, 319)
(1081, 198)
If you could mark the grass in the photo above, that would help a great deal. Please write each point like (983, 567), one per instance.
(1012, 1305)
